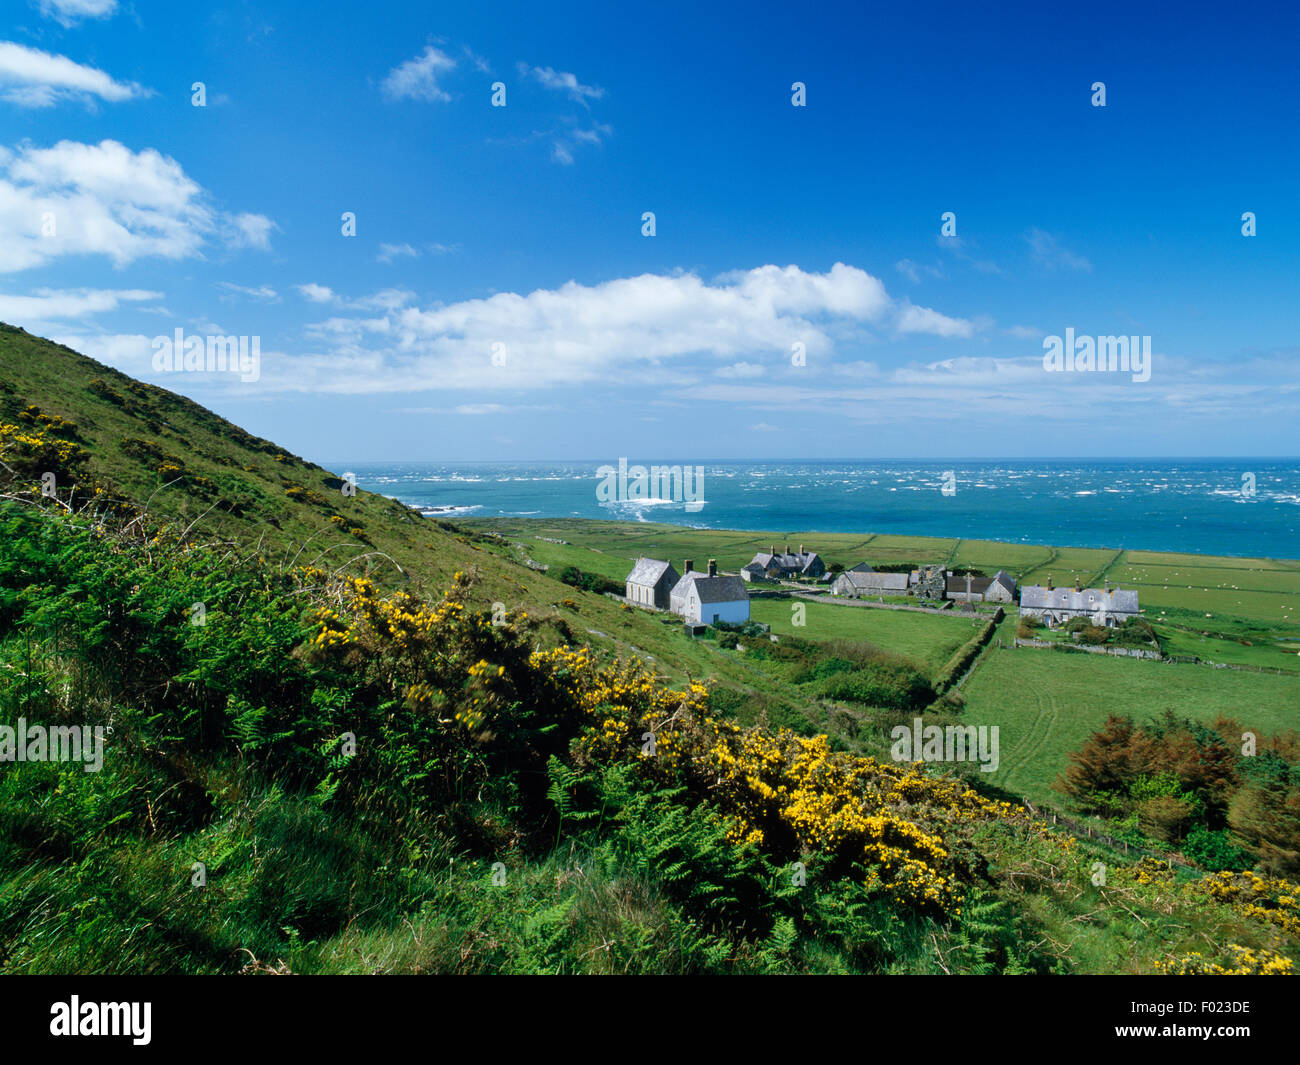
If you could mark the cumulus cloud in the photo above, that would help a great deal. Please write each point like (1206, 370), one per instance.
(32, 78)
(104, 199)
(651, 328)
(250, 231)
(417, 78)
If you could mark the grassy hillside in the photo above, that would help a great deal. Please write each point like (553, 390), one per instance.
(215, 483)
(347, 739)
(1047, 704)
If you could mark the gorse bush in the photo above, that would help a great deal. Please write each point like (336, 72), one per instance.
(306, 773)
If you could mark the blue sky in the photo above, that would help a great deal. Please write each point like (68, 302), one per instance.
(517, 230)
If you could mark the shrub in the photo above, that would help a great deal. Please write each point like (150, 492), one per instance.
(881, 684)
(1214, 849)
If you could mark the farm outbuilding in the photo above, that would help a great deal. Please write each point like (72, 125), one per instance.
(651, 583)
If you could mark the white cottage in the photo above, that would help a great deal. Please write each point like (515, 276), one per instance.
(704, 598)
(1106, 607)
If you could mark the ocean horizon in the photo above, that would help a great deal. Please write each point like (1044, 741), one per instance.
(1231, 507)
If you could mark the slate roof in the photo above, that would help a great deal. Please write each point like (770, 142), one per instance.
(978, 585)
(792, 560)
(648, 571)
(861, 567)
(720, 589)
(1003, 578)
(883, 582)
(1036, 597)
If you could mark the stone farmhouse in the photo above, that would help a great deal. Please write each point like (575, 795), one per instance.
(1106, 607)
(855, 584)
(787, 563)
(997, 589)
(928, 582)
(700, 598)
(651, 583)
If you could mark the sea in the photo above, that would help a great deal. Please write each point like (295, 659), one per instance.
(1241, 507)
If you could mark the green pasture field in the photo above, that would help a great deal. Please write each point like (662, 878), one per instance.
(930, 639)
(1047, 703)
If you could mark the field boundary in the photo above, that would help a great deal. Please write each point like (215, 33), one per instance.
(1121, 652)
(835, 600)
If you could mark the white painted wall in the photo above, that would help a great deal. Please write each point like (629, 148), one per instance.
(735, 612)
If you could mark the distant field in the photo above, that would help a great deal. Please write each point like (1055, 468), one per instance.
(1255, 598)
(1047, 703)
(929, 638)
(1270, 654)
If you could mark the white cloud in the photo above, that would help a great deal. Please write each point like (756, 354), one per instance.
(960, 249)
(32, 78)
(48, 304)
(914, 271)
(250, 231)
(264, 293)
(1049, 253)
(566, 139)
(389, 252)
(480, 408)
(480, 64)
(912, 319)
(129, 352)
(562, 81)
(316, 293)
(741, 369)
(68, 13)
(104, 199)
(1024, 332)
(417, 79)
(624, 329)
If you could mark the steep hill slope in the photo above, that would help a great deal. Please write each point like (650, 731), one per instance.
(206, 475)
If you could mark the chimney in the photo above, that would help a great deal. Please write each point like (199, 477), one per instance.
(801, 549)
(1049, 582)
(773, 551)
(689, 564)
(787, 549)
(1076, 585)
(713, 567)
(1108, 586)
